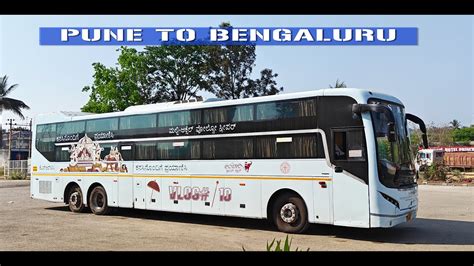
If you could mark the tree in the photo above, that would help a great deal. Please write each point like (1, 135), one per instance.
(455, 124)
(465, 134)
(116, 88)
(266, 84)
(338, 85)
(9, 104)
(177, 72)
(232, 66)
(439, 135)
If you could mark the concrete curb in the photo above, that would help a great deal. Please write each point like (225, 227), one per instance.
(471, 184)
(14, 183)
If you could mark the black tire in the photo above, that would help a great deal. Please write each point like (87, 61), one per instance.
(98, 201)
(75, 200)
(290, 214)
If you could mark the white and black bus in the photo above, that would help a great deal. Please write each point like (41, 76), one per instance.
(333, 156)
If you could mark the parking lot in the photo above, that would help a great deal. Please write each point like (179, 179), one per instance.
(445, 222)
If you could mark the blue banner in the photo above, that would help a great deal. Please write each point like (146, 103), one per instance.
(228, 36)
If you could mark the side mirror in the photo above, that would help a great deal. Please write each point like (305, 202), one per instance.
(415, 119)
(391, 132)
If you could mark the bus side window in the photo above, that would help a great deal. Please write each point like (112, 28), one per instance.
(340, 147)
(349, 145)
(62, 154)
(126, 152)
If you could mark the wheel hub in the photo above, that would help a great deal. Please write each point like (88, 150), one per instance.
(74, 199)
(100, 201)
(289, 213)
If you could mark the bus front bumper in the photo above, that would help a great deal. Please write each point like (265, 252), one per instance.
(383, 220)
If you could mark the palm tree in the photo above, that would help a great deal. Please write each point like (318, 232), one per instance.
(455, 124)
(339, 84)
(9, 104)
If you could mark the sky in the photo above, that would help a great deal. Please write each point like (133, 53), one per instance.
(433, 79)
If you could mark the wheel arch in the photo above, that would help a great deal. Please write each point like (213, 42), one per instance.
(277, 194)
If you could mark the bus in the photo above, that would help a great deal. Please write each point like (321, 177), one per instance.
(329, 156)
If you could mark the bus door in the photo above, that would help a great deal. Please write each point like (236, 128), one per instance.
(322, 192)
(125, 180)
(350, 177)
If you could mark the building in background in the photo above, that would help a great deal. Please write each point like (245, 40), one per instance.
(15, 144)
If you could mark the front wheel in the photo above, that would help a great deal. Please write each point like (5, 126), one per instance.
(98, 201)
(290, 214)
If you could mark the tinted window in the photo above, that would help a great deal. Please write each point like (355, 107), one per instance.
(228, 114)
(349, 145)
(99, 125)
(292, 146)
(126, 151)
(356, 145)
(138, 121)
(228, 148)
(106, 149)
(70, 128)
(178, 150)
(181, 118)
(286, 109)
(340, 147)
(45, 138)
(146, 151)
(62, 154)
(48, 128)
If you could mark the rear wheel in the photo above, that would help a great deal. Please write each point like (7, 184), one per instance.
(75, 201)
(98, 201)
(290, 214)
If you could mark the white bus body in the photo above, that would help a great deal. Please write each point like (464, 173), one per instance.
(293, 170)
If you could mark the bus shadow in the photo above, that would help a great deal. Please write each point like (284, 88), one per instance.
(420, 231)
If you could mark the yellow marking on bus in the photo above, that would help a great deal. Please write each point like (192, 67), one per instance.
(195, 176)
(35, 168)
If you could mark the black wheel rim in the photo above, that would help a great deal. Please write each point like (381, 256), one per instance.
(75, 200)
(98, 201)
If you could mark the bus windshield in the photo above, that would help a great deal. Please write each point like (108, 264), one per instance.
(395, 163)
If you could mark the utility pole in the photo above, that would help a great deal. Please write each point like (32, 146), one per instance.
(31, 137)
(10, 123)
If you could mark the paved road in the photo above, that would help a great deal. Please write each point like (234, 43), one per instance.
(445, 222)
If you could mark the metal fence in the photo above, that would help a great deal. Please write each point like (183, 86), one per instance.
(17, 169)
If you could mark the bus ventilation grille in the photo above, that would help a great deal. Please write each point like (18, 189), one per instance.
(45, 187)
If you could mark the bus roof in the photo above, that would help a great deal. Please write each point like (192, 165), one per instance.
(360, 95)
